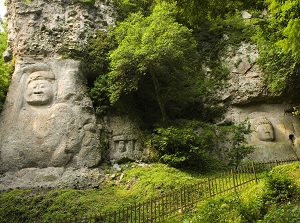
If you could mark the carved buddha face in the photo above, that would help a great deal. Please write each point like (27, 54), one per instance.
(39, 90)
(264, 129)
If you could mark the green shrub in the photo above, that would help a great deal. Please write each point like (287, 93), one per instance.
(184, 146)
(99, 95)
(252, 208)
(279, 188)
(126, 7)
(289, 213)
(224, 209)
(277, 38)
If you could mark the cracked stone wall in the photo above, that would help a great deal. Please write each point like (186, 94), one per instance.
(245, 81)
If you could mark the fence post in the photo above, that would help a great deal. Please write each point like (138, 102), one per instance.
(151, 207)
(233, 180)
(209, 188)
(115, 216)
(254, 172)
(181, 200)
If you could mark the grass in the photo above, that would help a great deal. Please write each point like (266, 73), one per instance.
(134, 184)
(251, 204)
(137, 183)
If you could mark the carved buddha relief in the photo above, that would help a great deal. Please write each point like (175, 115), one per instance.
(264, 129)
(124, 145)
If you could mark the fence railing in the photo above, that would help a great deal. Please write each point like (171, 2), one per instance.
(177, 201)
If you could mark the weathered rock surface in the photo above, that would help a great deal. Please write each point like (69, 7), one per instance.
(124, 140)
(48, 118)
(42, 28)
(274, 133)
(245, 81)
(52, 178)
(49, 136)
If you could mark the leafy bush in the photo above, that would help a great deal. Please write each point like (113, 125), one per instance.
(278, 44)
(100, 95)
(125, 7)
(184, 146)
(220, 210)
(234, 142)
(289, 213)
(279, 188)
(252, 206)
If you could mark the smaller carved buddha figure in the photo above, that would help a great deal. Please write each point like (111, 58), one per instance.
(264, 129)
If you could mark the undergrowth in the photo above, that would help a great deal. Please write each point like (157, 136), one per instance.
(274, 199)
(121, 189)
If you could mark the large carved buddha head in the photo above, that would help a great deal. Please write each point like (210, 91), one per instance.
(39, 90)
(264, 129)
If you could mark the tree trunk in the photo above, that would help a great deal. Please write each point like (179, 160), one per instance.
(160, 103)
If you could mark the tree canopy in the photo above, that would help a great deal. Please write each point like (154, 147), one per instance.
(155, 48)
(278, 45)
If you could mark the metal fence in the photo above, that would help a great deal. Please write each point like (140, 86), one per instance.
(185, 198)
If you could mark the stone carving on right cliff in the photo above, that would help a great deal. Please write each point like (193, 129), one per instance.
(264, 129)
(274, 135)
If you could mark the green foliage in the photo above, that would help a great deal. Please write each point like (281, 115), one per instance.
(90, 2)
(279, 188)
(273, 201)
(120, 189)
(239, 148)
(26, 206)
(196, 13)
(284, 213)
(138, 182)
(152, 180)
(6, 69)
(220, 210)
(277, 39)
(99, 95)
(188, 146)
(155, 50)
(126, 7)
(94, 55)
(252, 207)
(211, 35)
(96, 65)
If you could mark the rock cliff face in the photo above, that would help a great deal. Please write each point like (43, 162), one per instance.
(49, 135)
(275, 131)
(42, 28)
(48, 129)
(48, 120)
